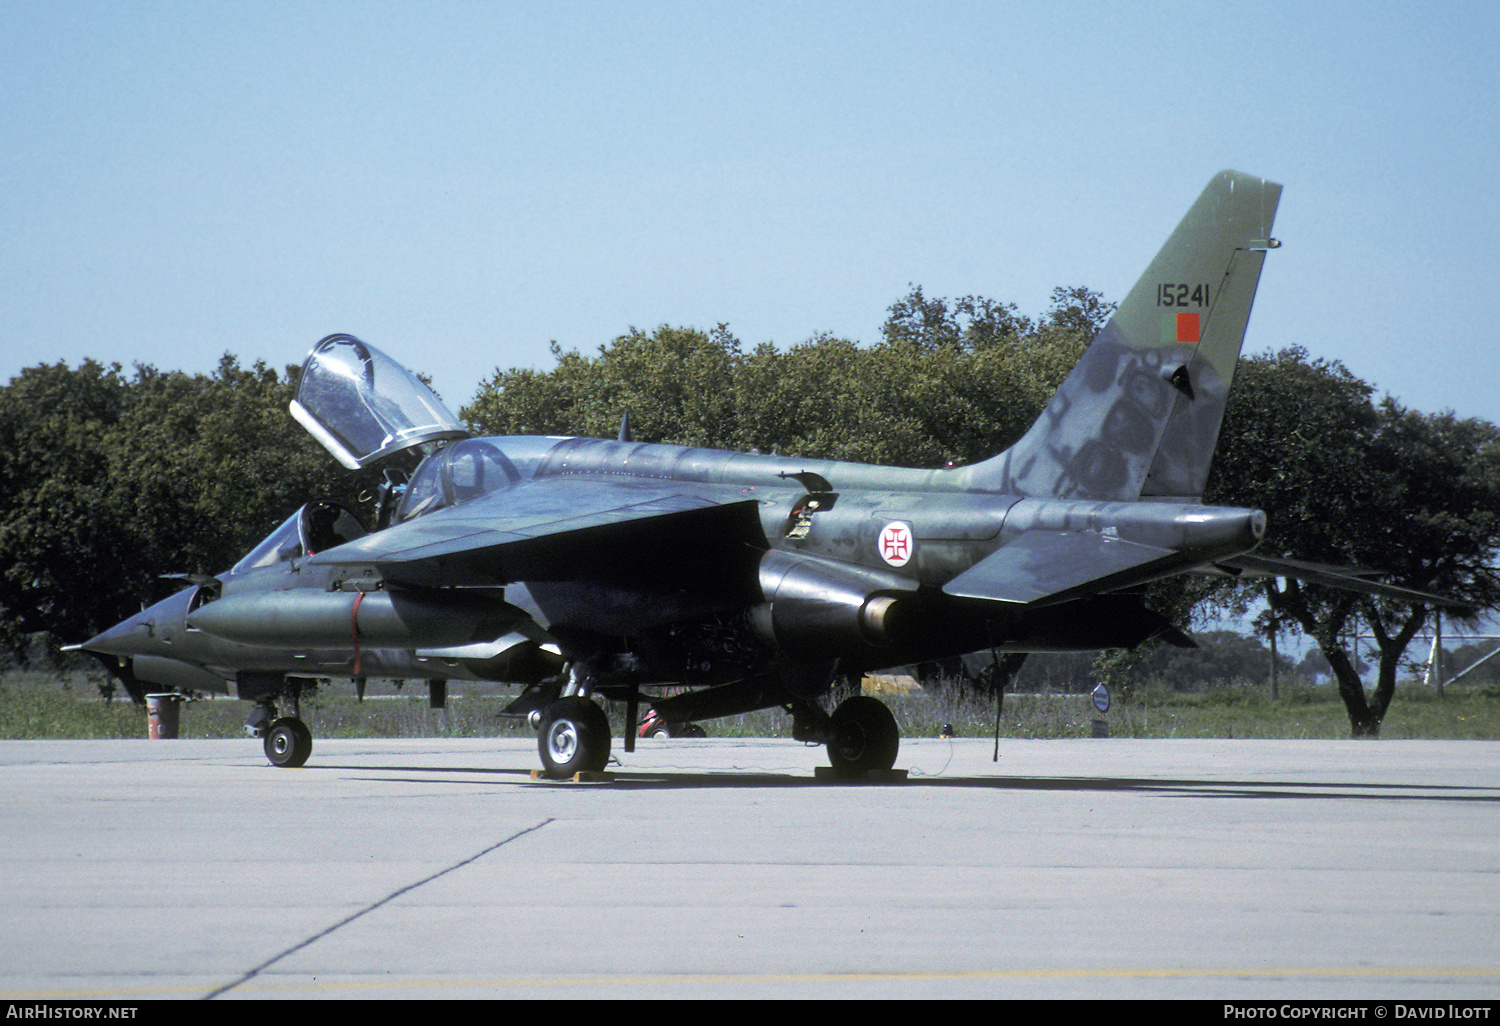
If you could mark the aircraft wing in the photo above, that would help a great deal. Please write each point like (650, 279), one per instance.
(1043, 567)
(1343, 578)
(558, 529)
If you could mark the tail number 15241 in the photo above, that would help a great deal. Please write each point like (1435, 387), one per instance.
(1182, 295)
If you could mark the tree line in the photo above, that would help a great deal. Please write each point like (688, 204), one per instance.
(109, 479)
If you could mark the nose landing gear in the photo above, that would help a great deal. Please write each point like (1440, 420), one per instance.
(288, 742)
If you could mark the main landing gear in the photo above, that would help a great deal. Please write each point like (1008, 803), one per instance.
(862, 737)
(574, 737)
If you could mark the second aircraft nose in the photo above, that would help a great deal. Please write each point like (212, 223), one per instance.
(149, 632)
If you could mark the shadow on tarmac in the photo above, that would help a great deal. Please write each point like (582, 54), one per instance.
(643, 780)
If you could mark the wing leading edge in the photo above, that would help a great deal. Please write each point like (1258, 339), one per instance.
(564, 530)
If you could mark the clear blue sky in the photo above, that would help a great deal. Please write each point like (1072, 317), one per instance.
(461, 183)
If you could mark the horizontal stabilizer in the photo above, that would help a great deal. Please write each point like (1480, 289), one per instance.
(1343, 578)
(1054, 566)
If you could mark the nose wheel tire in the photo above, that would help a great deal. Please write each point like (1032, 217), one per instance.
(288, 742)
(864, 736)
(574, 738)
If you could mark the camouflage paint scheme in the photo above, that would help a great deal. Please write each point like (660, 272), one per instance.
(579, 566)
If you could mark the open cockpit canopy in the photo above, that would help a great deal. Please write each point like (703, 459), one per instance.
(363, 406)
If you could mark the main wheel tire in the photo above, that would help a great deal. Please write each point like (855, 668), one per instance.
(288, 742)
(865, 736)
(574, 737)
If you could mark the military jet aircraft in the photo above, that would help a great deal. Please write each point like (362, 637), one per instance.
(583, 567)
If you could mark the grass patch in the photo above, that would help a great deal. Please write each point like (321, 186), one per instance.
(51, 705)
(35, 706)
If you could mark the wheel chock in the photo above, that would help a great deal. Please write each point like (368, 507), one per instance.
(581, 777)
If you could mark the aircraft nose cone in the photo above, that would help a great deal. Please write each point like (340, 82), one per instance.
(125, 638)
(140, 634)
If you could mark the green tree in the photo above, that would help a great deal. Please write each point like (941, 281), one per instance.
(57, 551)
(204, 466)
(675, 383)
(111, 481)
(1349, 482)
(974, 373)
(1221, 658)
(821, 399)
(948, 380)
(972, 322)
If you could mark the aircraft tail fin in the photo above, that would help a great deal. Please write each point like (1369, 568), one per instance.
(1139, 415)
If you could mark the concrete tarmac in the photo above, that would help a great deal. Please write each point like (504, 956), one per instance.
(1098, 868)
